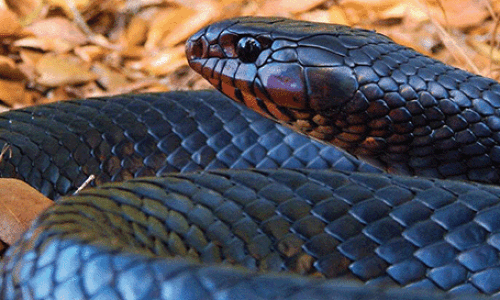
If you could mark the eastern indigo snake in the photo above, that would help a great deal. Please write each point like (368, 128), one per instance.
(383, 102)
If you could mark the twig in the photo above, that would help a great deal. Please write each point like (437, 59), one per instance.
(493, 33)
(5, 148)
(85, 184)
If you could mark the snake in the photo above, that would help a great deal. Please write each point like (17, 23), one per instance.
(197, 197)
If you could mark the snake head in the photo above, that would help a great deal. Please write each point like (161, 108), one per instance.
(304, 74)
(275, 64)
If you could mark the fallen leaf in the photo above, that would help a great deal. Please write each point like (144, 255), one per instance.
(133, 52)
(63, 4)
(460, 13)
(56, 45)
(137, 31)
(337, 16)
(108, 78)
(276, 7)
(90, 53)
(62, 70)
(9, 69)
(60, 28)
(26, 9)
(29, 58)
(9, 23)
(485, 49)
(372, 4)
(12, 93)
(162, 63)
(57, 94)
(166, 21)
(317, 16)
(206, 11)
(20, 204)
(409, 10)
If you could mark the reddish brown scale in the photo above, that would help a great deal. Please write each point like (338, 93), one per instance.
(340, 124)
(402, 128)
(301, 115)
(349, 137)
(357, 119)
(398, 149)
(261, 95)
(252, 103)
(378, 109)
(328, 130)
(228, 90)
(383, 122)
(303, 124)
(374, 144)
(320, 136)
(321, 120)
(358, 129)
(400, 138)
(275, 112)
(379, 133)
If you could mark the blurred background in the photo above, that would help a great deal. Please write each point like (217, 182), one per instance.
(54, 50)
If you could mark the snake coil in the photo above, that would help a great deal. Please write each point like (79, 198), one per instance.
(299, 207)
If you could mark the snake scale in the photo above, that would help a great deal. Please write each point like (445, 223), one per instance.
(290, 203)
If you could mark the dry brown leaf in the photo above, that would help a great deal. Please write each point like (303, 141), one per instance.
(20, 204)
(9, 69)
(409, 10)
(277, 7)
(133, 52)
(24, 8)
(485, 49)
(137, 31)
(459, 13)
(162, 63)
(408, 41)
(157, 88)
(231, 2)
(165, 22)
(9, 24)
(372, 4)
(57, 94)
(46, 44)
(30, 56)
(63, 4)
(131, 87)
(12, 93)
(62, 70)
(337, 15)
(108, 78)
(29, 59)
(139, 85)
(60, 28)
(90, 53)
(317, 16)
(206, 11)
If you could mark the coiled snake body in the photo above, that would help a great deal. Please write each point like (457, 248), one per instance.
(370, 232)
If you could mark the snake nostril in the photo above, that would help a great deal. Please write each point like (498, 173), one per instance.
(196, 48)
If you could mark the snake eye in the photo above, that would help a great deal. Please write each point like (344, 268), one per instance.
(248, 49)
